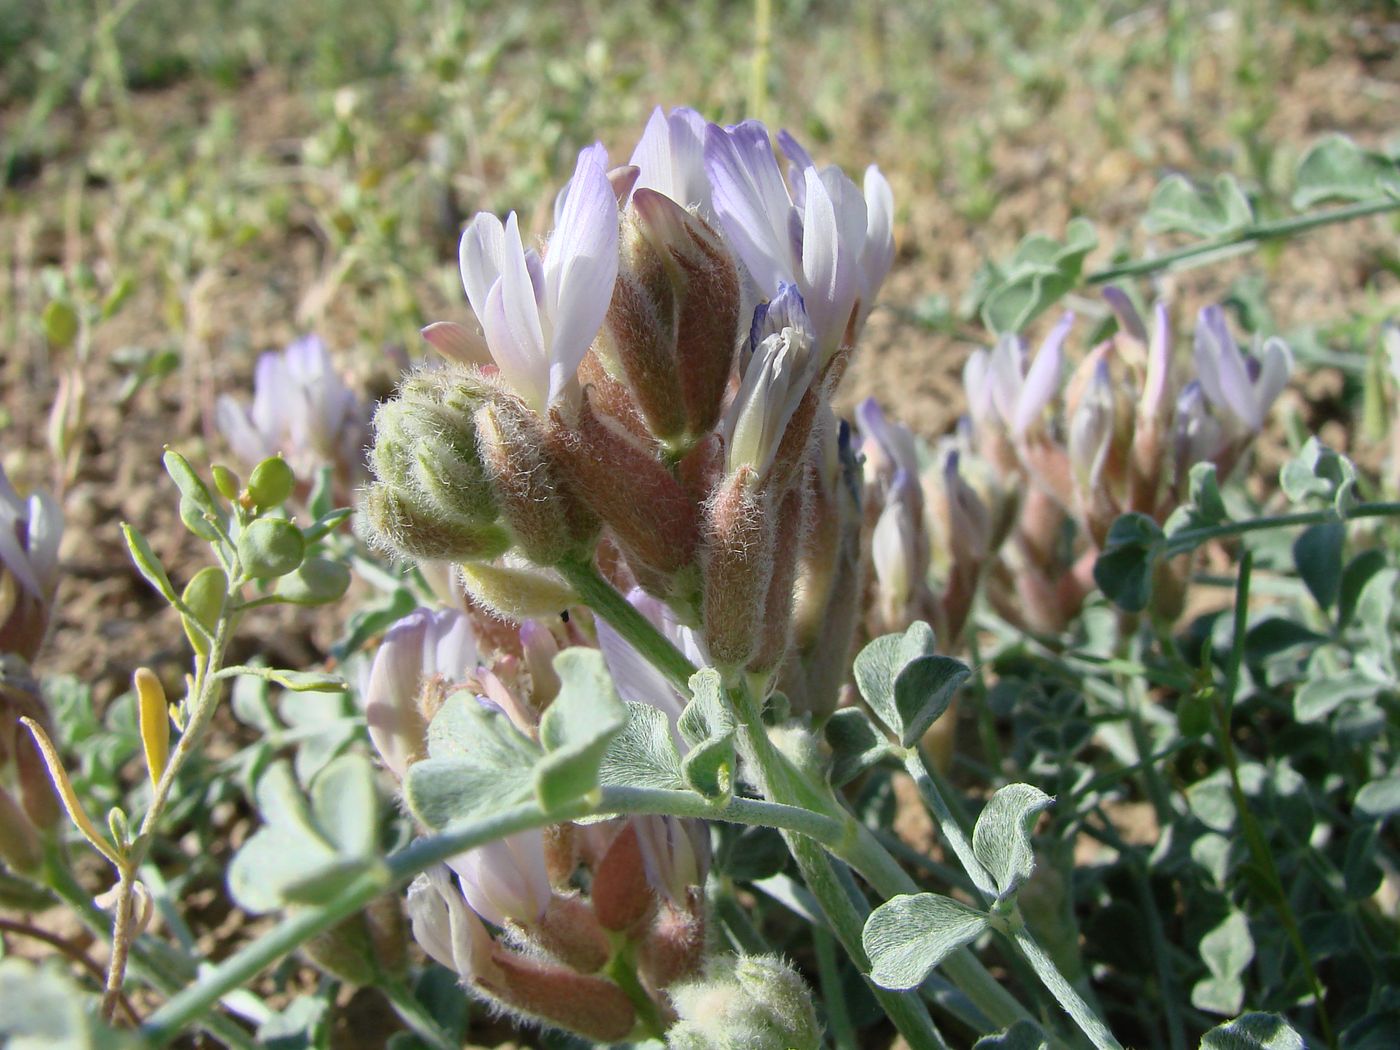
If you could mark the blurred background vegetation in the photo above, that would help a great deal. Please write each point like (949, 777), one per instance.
(189, 182)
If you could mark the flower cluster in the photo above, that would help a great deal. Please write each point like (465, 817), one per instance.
(660, 380)
(301, 409)
(1120, 433)
(553, 943)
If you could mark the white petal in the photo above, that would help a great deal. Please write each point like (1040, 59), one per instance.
(833, 229)
(1275, 368)
(878, 253)
(580, 269)
(512, 324)
(480, 256)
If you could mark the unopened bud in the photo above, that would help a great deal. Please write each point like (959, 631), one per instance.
(516, 593)
(410, 527)
(755, 1002)
(673, 947)
(707, 295)
(653, 519)
(270, 483)
(588, 1005)
(570, 931)
(547, 522)
(736, 567)
(621, 895)
(318, 581)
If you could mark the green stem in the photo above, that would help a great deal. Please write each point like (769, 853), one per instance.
(411, 1012)
(165, 975)
(1044, 967)
(603, 598)
(623, 970)
(1243, 240)
(838, 1018)
(1255, 840)
(1190, 539)
(1064, 992)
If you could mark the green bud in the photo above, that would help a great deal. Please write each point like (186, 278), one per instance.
(226, 481)
(204, 596)
(755, 1002)
(270, 547)
(60, 322)
(407, 523)
(271, 483)
(197, 521)
(318, 581)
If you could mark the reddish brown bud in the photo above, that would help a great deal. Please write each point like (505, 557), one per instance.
(591, 1006)
(641, 338)
(707, 296)
(653, 519)
(569, 930)
(621, 894)
(674, 946)
(560, 853)
(548, 523)
(736, 567)
(778, 605)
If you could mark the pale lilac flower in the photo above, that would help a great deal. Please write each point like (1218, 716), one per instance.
(1241, 385)
(888, 447)
(895, 549)
(422, 647)
(302, 409)
(670, 159)
(1009, 393)
(816, 231)
(675, 854)
(539, 317)
(636, 679)
(1199, 437)
(506, 879)
(1091, 430)
(30, 531)
(444, 926)
(775, 371)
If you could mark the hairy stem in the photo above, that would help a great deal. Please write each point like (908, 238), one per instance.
(1244, 240)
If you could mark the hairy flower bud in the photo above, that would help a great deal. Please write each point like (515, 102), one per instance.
(705, 290)
(416, 529)
(755, 1002)
(653, 519)
(516, 592)
(547, 522)
(736, 567)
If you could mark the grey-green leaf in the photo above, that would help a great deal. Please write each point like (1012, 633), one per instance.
(1254, 1031)
(1023, 1035)
(879, 665)
(644, 753)
(909, 935)
(1380, 798)
(345, 803)
(856, 744)
(1001, 840)
(577, 729)
(478, 763)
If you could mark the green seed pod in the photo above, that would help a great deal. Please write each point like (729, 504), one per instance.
(318, 581)
(271, 482)
(204, 596)
(225, 481)
(195, 521)
(271, 547)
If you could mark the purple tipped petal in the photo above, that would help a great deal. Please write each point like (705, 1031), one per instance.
(580, 269)
(1043, 379)
(1126, 313)
(751, 201)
